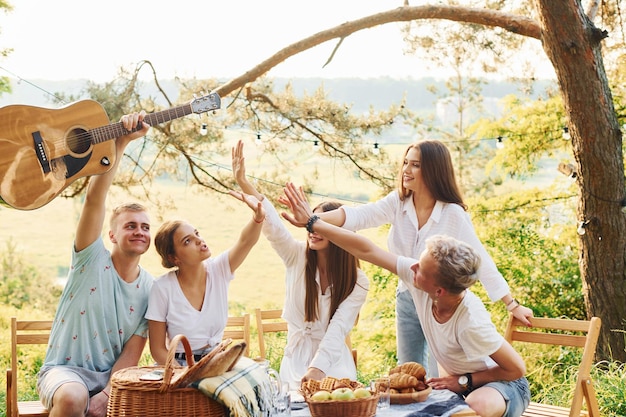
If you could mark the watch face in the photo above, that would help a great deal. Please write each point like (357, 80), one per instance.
(463, 380)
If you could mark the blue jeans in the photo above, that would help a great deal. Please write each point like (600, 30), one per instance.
(410, 340)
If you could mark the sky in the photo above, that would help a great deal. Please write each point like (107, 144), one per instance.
(69, 39)
(66, 39)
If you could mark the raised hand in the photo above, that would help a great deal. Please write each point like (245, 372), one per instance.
(297, 203)
(239, 163)
(252, 202)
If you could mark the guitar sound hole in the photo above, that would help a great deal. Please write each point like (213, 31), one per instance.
(79, 141)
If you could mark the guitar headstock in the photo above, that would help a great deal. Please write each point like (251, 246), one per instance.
(206, 103)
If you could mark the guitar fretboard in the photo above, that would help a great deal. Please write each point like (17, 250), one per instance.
(115, 130)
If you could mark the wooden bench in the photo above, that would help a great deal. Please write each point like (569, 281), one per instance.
(563, 332)
(24, 332)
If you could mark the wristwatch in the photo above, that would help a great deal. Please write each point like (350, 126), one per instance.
(465, 381)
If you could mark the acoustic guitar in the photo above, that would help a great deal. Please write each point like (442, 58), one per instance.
(42, 151)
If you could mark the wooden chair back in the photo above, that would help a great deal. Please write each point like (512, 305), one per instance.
(271, 321)
(563, 332)
(238, 329)
(24, 332)
(268, 321)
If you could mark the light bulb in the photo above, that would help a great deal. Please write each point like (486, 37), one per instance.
(316, 145)
(376, 149)
(203, 129)
(258, 139)
(499, 143)
(566, 134)
(581, 228)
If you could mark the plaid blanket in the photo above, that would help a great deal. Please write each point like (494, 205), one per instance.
(242, 390)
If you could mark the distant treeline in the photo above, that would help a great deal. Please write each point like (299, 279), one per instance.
(361, 94)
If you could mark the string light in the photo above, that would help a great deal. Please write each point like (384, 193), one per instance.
(566, 134)
(581, 227)
(568, 170)
(499, 142)
(316, 145)
(376, 149)
(258, 140)
(204, 129)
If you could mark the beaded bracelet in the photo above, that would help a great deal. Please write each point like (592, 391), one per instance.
(309, 224)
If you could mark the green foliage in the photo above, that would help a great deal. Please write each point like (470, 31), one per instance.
(531, 130)
(374, 337)
(610, 383)
(21, 284)
(535, 254)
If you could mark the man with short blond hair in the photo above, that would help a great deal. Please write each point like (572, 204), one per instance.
(99, 326)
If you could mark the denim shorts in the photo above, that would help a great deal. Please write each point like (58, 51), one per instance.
(516, 395)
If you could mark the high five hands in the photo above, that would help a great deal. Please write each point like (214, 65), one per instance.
(297, 203)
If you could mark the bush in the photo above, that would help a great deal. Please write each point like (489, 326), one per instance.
(22, 285)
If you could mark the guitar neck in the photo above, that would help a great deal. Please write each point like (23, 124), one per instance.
(115, 130)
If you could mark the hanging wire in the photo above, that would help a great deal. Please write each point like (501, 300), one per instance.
(20, 79)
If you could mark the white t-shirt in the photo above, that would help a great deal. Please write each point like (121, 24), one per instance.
(406, 238)
(201, 327)
(463, 343)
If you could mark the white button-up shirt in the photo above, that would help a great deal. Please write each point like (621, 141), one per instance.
(406, 238)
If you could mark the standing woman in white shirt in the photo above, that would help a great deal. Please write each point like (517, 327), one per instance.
(427, 202)
(324, 293)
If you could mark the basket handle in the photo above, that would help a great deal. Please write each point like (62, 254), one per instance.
(171, 362)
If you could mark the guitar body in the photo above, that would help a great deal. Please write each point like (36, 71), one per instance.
(42, 151)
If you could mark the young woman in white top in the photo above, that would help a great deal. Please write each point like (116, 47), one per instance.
(325, 290)
(476, 361)
(192, 299)
(427, 202)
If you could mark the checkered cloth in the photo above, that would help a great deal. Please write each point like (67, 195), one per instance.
(242, 390)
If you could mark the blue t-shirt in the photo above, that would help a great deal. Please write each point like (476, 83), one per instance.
(98, 312)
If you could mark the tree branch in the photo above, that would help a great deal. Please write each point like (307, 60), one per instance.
(520, 25)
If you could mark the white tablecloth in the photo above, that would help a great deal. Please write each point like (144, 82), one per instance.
(439, 403)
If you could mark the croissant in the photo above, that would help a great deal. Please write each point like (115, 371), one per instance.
(396, 370)
(402, 380)
(414, 368)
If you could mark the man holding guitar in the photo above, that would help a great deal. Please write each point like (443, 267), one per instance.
(99, 325)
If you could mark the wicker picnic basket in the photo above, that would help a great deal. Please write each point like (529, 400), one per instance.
(358, 407)
(132, 397)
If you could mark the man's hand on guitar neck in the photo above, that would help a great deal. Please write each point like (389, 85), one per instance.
(130, 122)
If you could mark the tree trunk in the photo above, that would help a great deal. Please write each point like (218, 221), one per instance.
(572, 43)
